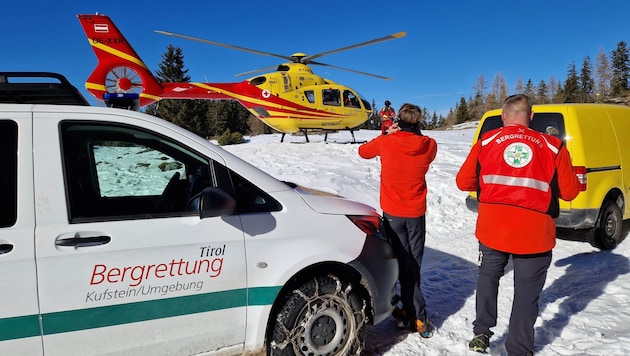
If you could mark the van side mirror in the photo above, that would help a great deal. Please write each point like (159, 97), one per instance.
(215, 202)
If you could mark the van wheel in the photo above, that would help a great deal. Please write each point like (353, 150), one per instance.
(321, 317)
(607, 233)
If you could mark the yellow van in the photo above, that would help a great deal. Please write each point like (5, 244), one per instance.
(593, 134)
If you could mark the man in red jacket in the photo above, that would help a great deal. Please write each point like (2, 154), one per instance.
(387, 115)
(519, 174)
(405, 158)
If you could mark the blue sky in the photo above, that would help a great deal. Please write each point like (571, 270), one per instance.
(449, 43)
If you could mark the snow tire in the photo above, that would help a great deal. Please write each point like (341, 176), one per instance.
(323, 316)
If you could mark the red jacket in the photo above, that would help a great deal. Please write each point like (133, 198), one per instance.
(387, 112)
(405, 159)
(509, 227)
(514, 156)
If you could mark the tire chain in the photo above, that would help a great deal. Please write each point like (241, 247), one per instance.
(293, 337)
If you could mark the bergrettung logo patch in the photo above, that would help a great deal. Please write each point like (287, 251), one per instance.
(517, 154)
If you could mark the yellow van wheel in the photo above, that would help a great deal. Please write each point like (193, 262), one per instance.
(607, 232)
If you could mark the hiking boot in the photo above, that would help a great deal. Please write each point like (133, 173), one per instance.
(479, 343)
(400, 317)
(424, 328)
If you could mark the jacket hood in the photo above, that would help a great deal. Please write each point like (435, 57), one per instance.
(411, 141)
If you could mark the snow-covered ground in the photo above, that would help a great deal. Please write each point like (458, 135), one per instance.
(584, 307)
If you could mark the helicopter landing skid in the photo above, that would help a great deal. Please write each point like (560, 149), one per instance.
(305, 132)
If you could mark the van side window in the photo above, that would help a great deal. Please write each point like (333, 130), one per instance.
(114, 171)
(8, 173)
(250, 199)
(117, 172)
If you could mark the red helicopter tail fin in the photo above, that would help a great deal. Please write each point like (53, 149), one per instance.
(119, 69)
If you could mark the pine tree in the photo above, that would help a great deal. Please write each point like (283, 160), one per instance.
(571, 86)
(586, 81)
(558, 96)
(424, 122)
(542, 95)
(620, 70)
(238, 117)
(530, 89)
(171, 69)
(218, 117)
(461, 112)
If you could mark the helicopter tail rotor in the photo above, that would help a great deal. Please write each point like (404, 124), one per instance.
(123, 80)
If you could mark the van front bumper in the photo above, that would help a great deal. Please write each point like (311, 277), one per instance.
(379, 267)
(568, 219)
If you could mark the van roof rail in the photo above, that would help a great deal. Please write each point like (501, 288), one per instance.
(38, 88)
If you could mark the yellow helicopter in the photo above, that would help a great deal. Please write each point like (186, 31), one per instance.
(290, 99)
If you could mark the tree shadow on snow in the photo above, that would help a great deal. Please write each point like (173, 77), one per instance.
(447, 282)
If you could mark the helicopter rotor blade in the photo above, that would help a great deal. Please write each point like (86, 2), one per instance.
(350, 70)
(257, 71)
(223, 44)
(308, 59)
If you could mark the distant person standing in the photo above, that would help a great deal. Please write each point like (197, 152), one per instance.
(406, 155)
(518, 174)
(387, 115)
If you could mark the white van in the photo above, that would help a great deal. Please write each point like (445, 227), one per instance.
(121, 233)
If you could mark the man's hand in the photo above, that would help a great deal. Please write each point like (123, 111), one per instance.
(392, 129)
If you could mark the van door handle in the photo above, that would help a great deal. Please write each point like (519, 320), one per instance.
(80, 239)
(5, 248)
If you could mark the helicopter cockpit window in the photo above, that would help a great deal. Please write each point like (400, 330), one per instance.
(310, 96)
(350, 100)
(331, 97)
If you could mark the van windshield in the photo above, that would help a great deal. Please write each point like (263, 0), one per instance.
(549, 123)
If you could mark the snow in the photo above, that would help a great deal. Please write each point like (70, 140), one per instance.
(584, 307)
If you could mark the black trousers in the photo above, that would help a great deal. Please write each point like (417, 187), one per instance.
(530, 273)
(407, 236)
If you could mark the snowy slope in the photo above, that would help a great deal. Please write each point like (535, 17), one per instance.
(585, 305)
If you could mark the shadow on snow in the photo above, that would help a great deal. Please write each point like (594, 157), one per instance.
(448, 281)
